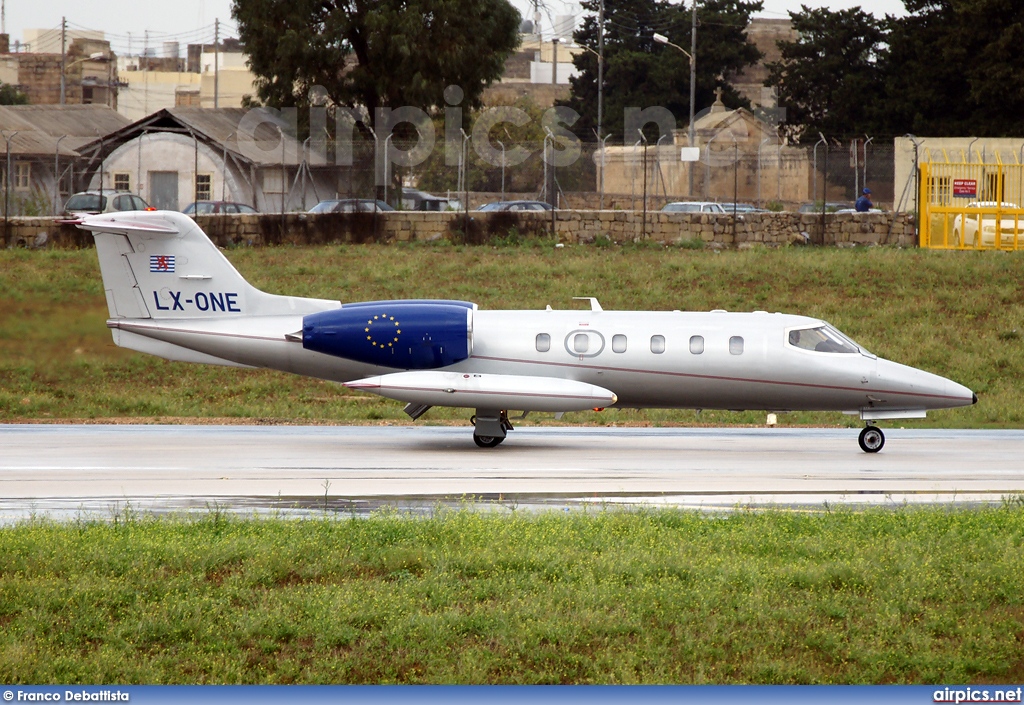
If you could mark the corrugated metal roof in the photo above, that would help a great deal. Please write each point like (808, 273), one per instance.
(260, 144)
(40, 126)
(261, 141)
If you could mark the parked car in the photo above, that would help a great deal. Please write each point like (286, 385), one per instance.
(515, 206)
(86, 203)
(351, 205)
(742, 208)
(854, 210)
(830, 207)
(416, 200)
(216, 207)
(965, 226)
(693, 207)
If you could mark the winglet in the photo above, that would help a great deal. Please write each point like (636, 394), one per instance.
(594, 305)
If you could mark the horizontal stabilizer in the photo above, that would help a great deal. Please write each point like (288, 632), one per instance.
(150, 224)
(487, 391)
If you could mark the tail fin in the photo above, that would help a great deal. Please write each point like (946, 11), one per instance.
(160, 264)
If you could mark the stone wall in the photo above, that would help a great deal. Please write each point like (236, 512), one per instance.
(571, 227)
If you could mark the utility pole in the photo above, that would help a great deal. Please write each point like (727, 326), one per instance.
(216, 59)
(554, 60)
(63, 55)
(145, 52)
(693, 83)
(600, 87)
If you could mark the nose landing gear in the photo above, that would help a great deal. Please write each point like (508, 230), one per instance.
(871, 439)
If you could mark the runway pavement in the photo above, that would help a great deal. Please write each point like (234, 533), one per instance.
(71, 470)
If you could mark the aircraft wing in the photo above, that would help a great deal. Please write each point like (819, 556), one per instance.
(487, 391)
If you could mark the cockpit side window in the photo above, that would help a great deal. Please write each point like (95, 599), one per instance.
(821, 339)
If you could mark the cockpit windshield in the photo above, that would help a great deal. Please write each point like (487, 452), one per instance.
(822, 339)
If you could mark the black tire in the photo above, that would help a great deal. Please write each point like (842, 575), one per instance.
(488, 441)
(871, 439)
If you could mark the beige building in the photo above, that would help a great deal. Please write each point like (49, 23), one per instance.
(223, 81)
(764, 34)
(89, 70)
(741, 158)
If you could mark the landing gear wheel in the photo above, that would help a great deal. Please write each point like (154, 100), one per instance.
(871, 439)
(487, 441)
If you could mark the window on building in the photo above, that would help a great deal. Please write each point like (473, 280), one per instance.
(87, 97)
(697, 344)
(619, 343)
(204, 187)
(939, 191)
(543, 342)
(22, 176)
(657, 344)
(272, 181)
(994, 188)
(736, 345)
(122, 181)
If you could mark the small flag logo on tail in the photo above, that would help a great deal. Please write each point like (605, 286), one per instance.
(161, 263)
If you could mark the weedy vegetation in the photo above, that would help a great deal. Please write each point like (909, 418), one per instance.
(885, 596)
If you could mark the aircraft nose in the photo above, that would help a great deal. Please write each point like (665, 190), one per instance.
(931, 391)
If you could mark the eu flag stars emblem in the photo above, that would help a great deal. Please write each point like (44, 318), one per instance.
(382, 331)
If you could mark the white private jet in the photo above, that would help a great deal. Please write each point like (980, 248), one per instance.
(172, 293)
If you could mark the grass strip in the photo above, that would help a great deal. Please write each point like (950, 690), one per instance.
(907, 595)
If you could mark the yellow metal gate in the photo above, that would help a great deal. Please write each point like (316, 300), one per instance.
(972, 206)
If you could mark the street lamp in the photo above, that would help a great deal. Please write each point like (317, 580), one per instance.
(692, 56)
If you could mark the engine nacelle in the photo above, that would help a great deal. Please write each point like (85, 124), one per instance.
(407, 335)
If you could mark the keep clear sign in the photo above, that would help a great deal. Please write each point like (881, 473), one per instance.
(965, 188)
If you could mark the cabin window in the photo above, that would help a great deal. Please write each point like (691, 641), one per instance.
(736, 345)
(657, 344)
(619, 343)
(543, 342)
(821, 339)
(696, 344)
(581, 342)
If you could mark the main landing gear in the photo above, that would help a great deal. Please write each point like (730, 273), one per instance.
(490, 427)
(871, 439)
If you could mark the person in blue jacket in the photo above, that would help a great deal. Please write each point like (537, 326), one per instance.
(864, 204)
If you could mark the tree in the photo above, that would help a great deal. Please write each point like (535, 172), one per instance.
(829, 79)
(639, 72)
(947, 68)
(384, 53)
(954, 67)
(10, 95)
